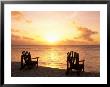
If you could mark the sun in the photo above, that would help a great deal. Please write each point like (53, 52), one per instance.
(51, 38)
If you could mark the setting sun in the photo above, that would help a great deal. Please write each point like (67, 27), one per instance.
(51, 38)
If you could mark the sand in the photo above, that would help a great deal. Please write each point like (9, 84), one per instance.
(42, 71)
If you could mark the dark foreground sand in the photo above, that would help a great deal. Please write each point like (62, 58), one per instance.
(45, 72)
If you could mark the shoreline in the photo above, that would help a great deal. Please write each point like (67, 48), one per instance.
(42, 71)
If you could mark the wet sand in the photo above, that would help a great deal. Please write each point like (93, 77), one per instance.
(42, 71)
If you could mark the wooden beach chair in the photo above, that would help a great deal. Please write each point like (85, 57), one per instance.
(74, 63)
(27, 61)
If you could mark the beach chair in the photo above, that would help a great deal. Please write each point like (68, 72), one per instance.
(74, 63)
(27, 61)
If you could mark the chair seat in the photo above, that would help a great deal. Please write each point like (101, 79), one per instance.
(34, 62)
(77, 66)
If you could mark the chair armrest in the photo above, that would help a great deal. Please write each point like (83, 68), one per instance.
(81, 60)
(35, 58)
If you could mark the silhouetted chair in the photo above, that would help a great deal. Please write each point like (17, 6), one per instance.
(27, 61)
(74, 63)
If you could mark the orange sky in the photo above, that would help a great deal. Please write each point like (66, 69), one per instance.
(55, 27)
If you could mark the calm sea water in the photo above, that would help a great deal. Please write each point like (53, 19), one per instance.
(55, 56)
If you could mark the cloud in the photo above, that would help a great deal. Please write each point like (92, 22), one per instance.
(19, 16)
(27, 38)
(73, 42)
(18, 37)
(28, 21)
(21, 37)
(15, 36)
(19, 31)
(14, 30)
(21, 40)
(16, 15)
(85, 34)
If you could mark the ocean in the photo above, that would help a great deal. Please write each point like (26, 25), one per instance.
(56, 56)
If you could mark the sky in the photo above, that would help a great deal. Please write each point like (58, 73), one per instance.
(55, 27)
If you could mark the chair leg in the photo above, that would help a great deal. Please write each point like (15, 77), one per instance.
(67, 72)
(83, 68)
(37, 65)
(78, 72)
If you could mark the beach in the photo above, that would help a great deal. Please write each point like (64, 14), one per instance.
(42, 71)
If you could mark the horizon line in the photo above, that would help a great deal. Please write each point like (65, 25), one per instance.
(52, 45)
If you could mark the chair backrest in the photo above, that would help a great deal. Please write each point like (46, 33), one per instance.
(73, 57)
(70, 57)
(76, 57)
(25, 56)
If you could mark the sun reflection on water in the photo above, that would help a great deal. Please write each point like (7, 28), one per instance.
(53, 59)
